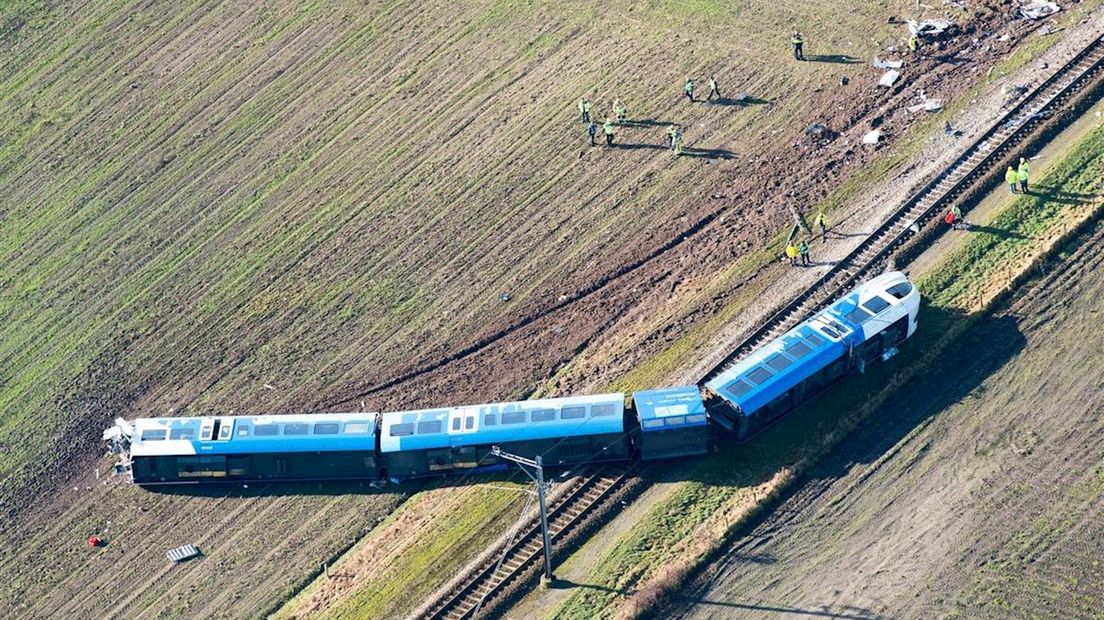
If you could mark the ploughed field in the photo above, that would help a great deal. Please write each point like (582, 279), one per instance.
(298, 206)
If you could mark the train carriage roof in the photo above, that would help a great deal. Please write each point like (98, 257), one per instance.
(784, 362)
(494, 423)
(669, 408)
(255, 434)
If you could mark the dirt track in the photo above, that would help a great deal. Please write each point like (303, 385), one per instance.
(976, 494)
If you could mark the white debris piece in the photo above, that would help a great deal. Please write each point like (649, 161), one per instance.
(889, 78)
(872, 137)
(933, 105)
(1038, 9)
(887, 64)
(182, 553)
(930, 28)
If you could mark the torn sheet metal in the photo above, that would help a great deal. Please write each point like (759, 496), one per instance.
(889, 78)
(887, 64)
(1039, 9)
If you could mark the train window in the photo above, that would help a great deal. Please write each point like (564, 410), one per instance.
(831, 332)
(243, 431)
(182, 433)
(153, 435)
(603, 410)
(357, 428)
(432, 426)
(738, 388)
(858, 316)
(543, 415)
(798, 349)
(456, 424)
(224, 432)
(402, 430)
(513, 417)
(266, 430)
(469, 423)
(326, 428)
(779, 362)
(876, 304)
(572, 413)
(652, 423)
(901, 290)
(697, 418)
(759, 375)
(675, 420)
(814, 339)
(295, 428)
(490, 419)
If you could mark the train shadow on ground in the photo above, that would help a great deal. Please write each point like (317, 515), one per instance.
(942, 374)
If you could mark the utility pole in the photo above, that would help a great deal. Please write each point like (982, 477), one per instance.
(537, 476)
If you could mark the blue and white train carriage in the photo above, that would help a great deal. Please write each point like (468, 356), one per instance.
(561, 430)
(271, 447)
(863, 326)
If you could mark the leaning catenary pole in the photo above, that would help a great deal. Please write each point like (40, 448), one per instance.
(537, 475)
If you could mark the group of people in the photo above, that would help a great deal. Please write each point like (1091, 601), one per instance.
(620, 115)
(799, 249)
(1017, 177)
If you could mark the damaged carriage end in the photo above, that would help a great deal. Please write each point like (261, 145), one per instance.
(117, 439)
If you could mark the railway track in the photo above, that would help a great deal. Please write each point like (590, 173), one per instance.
(971, 172)
(567, 511)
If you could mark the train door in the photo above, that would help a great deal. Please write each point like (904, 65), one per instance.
(461, 424)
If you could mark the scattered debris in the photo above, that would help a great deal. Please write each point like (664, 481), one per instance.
(873, 136)
(742, 98)
(1049, 29)
(928, 105)
(844, 81)
(182, 553)
(96, 541)
(1013, 92)
(818, 132)
(887, 64)
(932, 29)
(951, 130)
(955, 3)
(1039, 9)
(889, 78)
(269, 386)
(504, 297)
(1005, 37)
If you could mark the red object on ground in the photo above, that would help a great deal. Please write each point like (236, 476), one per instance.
(949, 218)
(94, 541)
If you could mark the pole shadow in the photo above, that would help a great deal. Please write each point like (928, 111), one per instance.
(708, 153)
(742, 102)
(997, 232)
(837, 59)
(645, 122)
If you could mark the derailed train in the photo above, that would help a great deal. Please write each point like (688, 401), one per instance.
(864, 326)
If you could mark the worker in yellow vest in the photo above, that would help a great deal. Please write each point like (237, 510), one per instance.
(1021, 174)
(1011, 177)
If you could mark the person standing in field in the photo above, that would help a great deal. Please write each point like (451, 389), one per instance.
(803, 250)
(672, 131)
(914, 44)
(1021, 175)
(792, 253)
(821, 222)
(607, 129)
(689, 89)
(797, 41)
(1011, 178)
(620, 112)
(584, 109)
(592, 129)
(713, 89)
